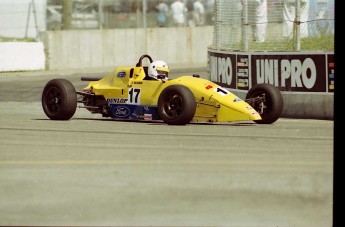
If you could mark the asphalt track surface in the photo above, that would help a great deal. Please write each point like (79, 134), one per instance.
(94, 171)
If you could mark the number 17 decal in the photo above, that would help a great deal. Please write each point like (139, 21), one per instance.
(221, 91)
(134, 96)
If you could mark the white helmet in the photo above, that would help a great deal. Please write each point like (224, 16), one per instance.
(158, 68)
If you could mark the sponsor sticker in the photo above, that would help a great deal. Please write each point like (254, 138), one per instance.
(121, 74)
(117, 100)
(121, 111)
(209, 87)
(237, 99)
(147, 116)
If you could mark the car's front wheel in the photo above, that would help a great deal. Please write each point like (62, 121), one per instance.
(176, 105)
(267, 100)
(59, 99)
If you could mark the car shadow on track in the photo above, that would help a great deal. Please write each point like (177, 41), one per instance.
(159, 122)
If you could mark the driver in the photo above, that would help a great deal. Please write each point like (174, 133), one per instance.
(158, 70)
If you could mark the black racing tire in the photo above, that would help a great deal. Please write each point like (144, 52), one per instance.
(59, 99)
(176, 105)
(271, 108)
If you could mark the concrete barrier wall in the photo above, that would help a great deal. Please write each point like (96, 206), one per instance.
(306, 80)
(113, 47)
(303, 106)
(21, 56)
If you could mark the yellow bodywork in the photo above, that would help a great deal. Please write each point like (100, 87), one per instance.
(214, 103)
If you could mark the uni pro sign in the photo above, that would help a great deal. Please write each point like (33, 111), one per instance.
(287, 71)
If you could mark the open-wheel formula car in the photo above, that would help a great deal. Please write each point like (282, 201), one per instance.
(128, 93)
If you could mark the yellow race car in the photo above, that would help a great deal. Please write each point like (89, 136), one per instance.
(146, 93)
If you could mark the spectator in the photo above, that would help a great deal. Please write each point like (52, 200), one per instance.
(289, 15)
(318, 22)
(189, 14)
(198, 13)
(258, 12)
(209, 11)
(162, 15)
(178, 10)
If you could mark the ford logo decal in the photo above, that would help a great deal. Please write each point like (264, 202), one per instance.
(121, 111)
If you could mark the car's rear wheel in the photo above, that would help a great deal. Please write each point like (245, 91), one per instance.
(267, 100)
(176, 105)
(59, 99)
